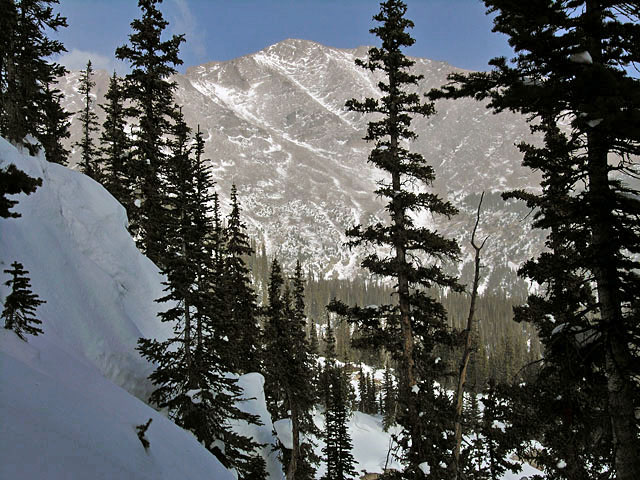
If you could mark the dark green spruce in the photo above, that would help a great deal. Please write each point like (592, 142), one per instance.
(12, 182)
(411, 328)
(29, 101)
(89, 160)
(21, 303)
(240, 299)
(191, 381)
(339, 460)
(571, 78)
(115, 146)
(150, 92)
(288, 370)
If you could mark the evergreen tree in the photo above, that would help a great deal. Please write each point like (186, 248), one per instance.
(274, 347)
(150, 92)
(571, 67)
(12, 182)
(362, 391)
(290, 369)
(339, 460)
(324, 388)
(53, 126)
(390, 400)
(28, 105)
(190, 378)
(89, 121)
(115, 147)
(411, 328)
(21, 304)
(241, 299)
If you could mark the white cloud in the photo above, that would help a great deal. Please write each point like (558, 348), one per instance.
(77, 60)
(186, 22)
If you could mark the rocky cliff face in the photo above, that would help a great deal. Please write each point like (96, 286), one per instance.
(276, 126)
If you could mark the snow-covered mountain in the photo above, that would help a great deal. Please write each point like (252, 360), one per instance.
(275, 125)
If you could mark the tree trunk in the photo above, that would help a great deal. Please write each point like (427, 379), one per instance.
(467, 347)
(618, 357)
(295, 451)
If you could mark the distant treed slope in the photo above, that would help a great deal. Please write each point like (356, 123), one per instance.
(275, 124)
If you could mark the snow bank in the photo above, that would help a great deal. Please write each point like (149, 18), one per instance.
(252, 385)
(61, 419)
(99, 288)
(62, 416)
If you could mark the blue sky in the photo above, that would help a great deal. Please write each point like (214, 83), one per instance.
(456, 31)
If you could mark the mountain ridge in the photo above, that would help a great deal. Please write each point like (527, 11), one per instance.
(275, 124)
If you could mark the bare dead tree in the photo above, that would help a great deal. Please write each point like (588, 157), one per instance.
(467, 335)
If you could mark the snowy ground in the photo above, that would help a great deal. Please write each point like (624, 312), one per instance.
(70, 399)
(67, 399)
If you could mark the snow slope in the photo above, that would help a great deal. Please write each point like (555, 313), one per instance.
(99, 288)
(66, 403)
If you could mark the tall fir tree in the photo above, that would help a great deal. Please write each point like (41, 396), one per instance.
(54, 126)
(288, 369)
(21, 303)
(301, 395)
(115, 145)
(340, 464)
(389, 405)
(89, 161)
(274, 349)
(28, 104)
(241, 298)
(413, 327)
(570, 77)
(324, 380)
(190, 378)
(150, 92)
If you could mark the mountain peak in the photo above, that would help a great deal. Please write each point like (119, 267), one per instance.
(276, 125)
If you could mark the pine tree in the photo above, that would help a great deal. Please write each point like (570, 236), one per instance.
(89, 121)
(27, 100)
(21, 304)
(324, 383)
(288, 369)
(150, 92)
(115, 146)
(390, 400)
(12, 182)
(274, 347)
(53, 126)
(411, 328)
(362, 390)
(241, 299)
(339, 460)
(301, 391)
(571, 67)
(190, 378)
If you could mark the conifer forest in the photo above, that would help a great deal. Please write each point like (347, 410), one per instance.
(268, 363)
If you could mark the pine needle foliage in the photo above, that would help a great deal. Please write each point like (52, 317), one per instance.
(411, 255)
(150, 93)
(21, 304)
(571, 78)
(28, 103)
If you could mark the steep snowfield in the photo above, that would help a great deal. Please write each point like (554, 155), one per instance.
(99, 288)
(61, 419)
(64, 407)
